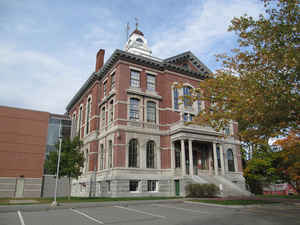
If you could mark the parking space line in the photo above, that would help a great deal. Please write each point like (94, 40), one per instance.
(87, 216)
(20, 217)
(179, 208)
(139, 211)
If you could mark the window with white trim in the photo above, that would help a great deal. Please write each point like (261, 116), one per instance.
(133, 185)
(187, 96)
(151, 112)
(103, 115)
(104, 88)
(152, 185)
(150, 154)
(88, 111)
(134, 109)
(110, 150)
(230, 160)
(113, 77)
(134, 79)
(79, 121)
(101, 166)
(111, 111)
(176, 98)
(132, 153)
(150, 82)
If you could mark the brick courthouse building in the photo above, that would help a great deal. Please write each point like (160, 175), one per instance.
(132, 123)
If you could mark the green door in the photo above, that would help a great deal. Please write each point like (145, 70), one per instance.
(177, 188)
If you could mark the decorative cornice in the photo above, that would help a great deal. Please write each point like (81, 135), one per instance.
(167, 64)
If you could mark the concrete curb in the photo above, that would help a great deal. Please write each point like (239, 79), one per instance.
(224, 206)
(47, 207)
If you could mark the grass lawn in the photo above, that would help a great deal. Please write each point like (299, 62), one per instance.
(237, 202)
(279, 196)
(5, 201)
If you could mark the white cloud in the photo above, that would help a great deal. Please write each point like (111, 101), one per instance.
(36, 80)
(205, 25)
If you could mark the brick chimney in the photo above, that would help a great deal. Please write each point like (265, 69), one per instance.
(99, 59)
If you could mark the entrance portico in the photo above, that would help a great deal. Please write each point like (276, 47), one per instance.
(194, 157)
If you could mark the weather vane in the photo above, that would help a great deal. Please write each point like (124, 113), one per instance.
(136, 22)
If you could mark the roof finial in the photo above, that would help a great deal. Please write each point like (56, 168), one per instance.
(136, 22)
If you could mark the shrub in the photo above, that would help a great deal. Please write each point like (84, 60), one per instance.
(201, 190)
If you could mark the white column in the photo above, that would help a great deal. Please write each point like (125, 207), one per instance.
(215, 158)
(183, 158)
(191, 157)
(209, 161)
(172, 155)
(222, 159)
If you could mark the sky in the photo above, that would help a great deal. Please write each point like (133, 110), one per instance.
(48, 48)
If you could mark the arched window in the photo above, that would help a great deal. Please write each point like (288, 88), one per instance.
(150, 154)
(230, 160)
(111, 111)
(187, 92)
(151, 112)
(134, 109)
(132, 153)
(110, 149)
(218, 156)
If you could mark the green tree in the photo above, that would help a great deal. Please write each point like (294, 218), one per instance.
(259, 84)
(70, 162)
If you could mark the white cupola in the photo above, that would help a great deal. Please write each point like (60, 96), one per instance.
(137, 44)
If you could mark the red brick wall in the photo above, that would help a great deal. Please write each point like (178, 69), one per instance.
(23, 136)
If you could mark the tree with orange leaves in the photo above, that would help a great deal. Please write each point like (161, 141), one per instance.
(289, 164)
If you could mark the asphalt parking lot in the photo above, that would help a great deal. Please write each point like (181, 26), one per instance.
(176, 213)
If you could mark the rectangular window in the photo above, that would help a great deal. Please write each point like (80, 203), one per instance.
(104, 88)
(112, 81)
(101, 157)
(152, 185)
(133, 185)
(151, 112)
(79, 121)
(103, 117)
(108, 185)
(150, 82)
(134, 109)
(134, 79)
(88, 116)
(187, 96)
(175, 93)
(185, 117)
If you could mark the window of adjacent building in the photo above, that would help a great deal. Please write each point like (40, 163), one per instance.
(177, 156)
(150, 82)
(230, 160)
(132, 153)
(150, 154)
(151, 112)
(111, 111)
(187, 100)
(134, 79)
(134, 109)
(133, 185)
(175, 95)
(113, 77)
(218, 156)
(152, 185)
(104, 88)
(101, 157)
(88, 111)
(103, 117)
(108, 185)
(227, 130)
(187, 117)
(110, 149)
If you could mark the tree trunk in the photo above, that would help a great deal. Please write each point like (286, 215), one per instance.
(69, 189)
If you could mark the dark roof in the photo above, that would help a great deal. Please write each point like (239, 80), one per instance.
(194, 60)
(167, 64)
